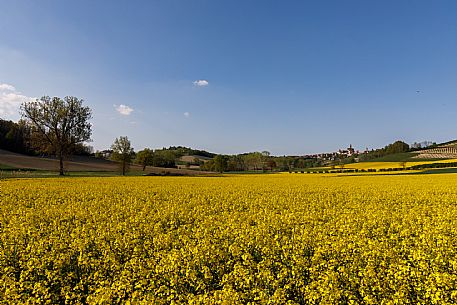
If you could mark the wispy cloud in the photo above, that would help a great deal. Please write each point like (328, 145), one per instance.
(10, 101)
(201, 83)
(123, 109)
(7, 87)
(186, 114)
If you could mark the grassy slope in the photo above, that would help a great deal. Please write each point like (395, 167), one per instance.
(400, 157)
(84, 166)
(408, 157)
(6, 167)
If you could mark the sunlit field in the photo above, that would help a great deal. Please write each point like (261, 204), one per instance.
(264, 239)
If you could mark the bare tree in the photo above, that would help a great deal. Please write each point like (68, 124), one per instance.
(58, 125)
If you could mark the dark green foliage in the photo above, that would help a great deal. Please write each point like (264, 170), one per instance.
(123, 153)
(220, 163)
(397, 147)
(14, 137)
(164, 158)
(180, 151)
(57, 125)
(145, 157)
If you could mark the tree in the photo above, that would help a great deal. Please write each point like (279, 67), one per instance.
(220, 163)
(208, 166)
(254, 160)
(58, 125)
(265, 159)
(396, 147)
(15, 137)
(123, 153)
(145, 157)
(271, 164)
(164, 158)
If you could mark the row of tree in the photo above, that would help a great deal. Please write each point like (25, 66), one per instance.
(258, 161)
(122, 152)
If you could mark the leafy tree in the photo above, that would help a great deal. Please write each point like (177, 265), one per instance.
(236, 163)
(254, 160)
(265, 158)
(145, 157)
(15, 137)
(123, 153)
(164, 158)
(220, 163)
(58, 125)
(396, 147)
(271, 164)
(208, 166)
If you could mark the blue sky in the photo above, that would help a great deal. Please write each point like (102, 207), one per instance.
(290, 77)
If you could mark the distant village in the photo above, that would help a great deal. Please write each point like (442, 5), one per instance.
(338, 155)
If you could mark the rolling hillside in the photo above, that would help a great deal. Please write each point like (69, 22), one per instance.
(443, 151)
(76, 164)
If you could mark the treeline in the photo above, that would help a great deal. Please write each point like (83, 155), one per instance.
(15, 137)
(165, 157)
(258, 161)
(254, 161)
(186, 151)
(20, 138)
(394, 148)
(159, 157)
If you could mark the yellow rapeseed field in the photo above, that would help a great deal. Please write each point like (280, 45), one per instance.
(258, 239)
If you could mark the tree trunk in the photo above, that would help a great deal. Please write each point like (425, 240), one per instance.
(144, 168)
(61, 173)
(123, 168)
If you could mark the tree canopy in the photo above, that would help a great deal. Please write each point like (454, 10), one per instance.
(58, 125)
(145, 157)
(123, 153)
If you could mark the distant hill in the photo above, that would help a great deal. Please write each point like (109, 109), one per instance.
(443, 151)
(400, 157)
(446, 150)
(15, 160)
(186, 151)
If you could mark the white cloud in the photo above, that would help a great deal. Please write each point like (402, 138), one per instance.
(186, 114)
(201, 83)
(10, 101)
(123, 109)
(7, 87)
